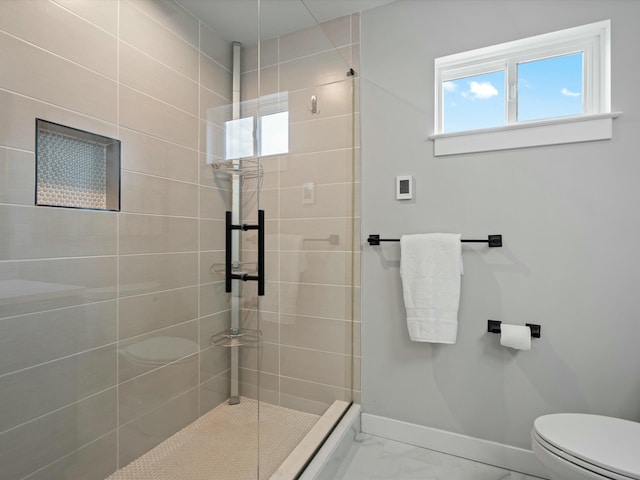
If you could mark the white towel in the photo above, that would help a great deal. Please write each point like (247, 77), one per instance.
(430, 267)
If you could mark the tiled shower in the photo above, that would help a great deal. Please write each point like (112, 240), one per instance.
(82, 290)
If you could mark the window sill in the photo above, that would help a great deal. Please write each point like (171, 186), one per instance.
(585, 128)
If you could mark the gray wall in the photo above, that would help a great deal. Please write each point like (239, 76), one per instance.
(567, 215)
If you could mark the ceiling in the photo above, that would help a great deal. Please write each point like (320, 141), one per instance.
(237, 20)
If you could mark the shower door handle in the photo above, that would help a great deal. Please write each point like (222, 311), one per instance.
(229, 275)
(227, 249)
(261, 252)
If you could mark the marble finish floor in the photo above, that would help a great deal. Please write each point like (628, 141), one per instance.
(375, 458)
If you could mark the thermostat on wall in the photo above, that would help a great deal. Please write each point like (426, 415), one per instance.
(404, 187)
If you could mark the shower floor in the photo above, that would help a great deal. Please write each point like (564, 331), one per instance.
(223, 444)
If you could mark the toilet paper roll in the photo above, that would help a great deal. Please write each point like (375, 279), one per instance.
(515, 336)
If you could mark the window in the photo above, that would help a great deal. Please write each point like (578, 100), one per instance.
(552, 80)
(262, 129)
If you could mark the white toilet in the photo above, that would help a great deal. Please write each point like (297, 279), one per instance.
(575, 446)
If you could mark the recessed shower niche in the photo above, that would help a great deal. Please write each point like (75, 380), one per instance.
(76, 169)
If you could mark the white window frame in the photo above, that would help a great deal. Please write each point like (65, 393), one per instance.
(594, 123)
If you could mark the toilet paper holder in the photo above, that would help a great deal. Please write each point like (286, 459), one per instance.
(493, 326)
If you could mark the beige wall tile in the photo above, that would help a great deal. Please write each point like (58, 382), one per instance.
(212, 325)
(212, 150)
(249, 57)
(56, 435)
(355, 57)
(145, 154)
(145, 313)
(213, 362)
(214, 108)
(332, 100)
(34, 286)
(334, 166)
(47, 25)
(267, 322)
(36, 391)
(336, 336)
(169, 86)
(212, 234)
(151, 273)
(212, 266)
(310, 397)
(165, 209)
(269, 84)
(338, 30)
(268, 55)
(17, 125)
(39, 232)
(315, 366)
(214, 392)
(316, 300)
(215, 77)
(102, 14)
(323, 134)
(215, 47)
(268, 386)
(148, 115)
(214, 202)
(268, 358)
(55, 334)
(334, 200)
(319, 69)
(172, 16)
(213, 298)
(267, 303)
(249, 88)
(148, 392)
(156, 234)
(144, 433)
(270, 172)
(17, 183)
(271, 263)
(147, 194)
(316, 39)
(141, 354)
(41, 75)
(331, 268)
(144, 33)
(94, 461)
(250, 238)
(320, 228)
(355, 27)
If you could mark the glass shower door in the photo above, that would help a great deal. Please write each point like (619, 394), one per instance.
(304, 139)
(290, 162)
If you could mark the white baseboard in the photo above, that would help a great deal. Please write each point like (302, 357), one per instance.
(504, 456)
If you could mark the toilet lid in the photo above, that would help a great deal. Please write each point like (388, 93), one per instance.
(609, 443)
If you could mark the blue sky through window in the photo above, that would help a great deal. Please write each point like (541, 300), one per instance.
(547, 88)
(474, 102)
(551, 87)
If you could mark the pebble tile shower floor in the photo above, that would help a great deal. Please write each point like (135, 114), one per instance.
(224, 445)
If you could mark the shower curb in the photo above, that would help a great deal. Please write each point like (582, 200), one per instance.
(330, 456)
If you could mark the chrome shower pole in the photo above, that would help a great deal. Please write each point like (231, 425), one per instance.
(236, 209)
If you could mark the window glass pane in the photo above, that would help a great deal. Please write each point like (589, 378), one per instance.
(238, 136)
(473, 102)
(274, 134)
(549, 88)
